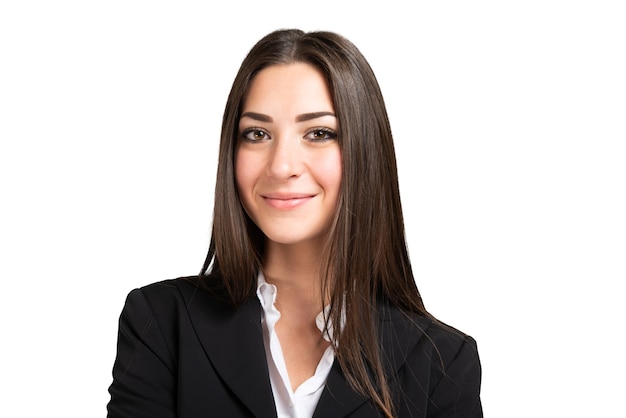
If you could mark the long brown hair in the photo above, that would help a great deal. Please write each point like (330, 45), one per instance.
(366, 257)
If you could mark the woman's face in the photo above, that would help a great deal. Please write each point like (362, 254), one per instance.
(288, 162)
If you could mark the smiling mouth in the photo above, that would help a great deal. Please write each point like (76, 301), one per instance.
(287, 202)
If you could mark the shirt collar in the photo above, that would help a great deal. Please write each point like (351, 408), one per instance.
(266, 292)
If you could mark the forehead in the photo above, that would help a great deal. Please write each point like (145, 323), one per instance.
(294, 87)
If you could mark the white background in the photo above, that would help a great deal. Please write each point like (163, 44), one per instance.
(509, 120)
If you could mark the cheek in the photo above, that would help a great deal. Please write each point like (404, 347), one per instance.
(329, 170)
(244, 181)
(243, 173)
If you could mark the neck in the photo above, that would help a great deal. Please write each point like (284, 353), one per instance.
(295, 271)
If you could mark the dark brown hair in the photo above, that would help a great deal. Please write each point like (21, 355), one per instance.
(366, 257)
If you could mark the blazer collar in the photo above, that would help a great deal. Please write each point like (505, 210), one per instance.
(398, 335)
(233, 341)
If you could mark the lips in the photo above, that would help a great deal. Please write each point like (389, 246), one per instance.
(286, 201)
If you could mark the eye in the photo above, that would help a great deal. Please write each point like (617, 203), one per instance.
(254, 135)
(321, 135)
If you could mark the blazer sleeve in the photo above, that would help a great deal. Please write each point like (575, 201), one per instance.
(144, 383)
(458, 392)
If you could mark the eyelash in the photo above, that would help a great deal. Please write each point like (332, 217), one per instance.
(244, 135)
(329, 134)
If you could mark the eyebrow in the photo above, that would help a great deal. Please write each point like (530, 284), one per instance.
(300, 118)
(314, 115)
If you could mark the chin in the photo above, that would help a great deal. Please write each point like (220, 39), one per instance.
(293, 237)
(287, 239)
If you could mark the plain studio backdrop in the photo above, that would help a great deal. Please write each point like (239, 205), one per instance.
(509, 122)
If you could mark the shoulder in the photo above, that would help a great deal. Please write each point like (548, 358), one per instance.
(172, 299)
(455, 372)
(394, 320)
(437, 366)
(174, 288)
(449, 340)
(413, 336)
(177, 307)
(455, 366)
(446, 344)
(165, 293)
(185, 299)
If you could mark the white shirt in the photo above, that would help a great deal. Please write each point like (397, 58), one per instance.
(300, 403)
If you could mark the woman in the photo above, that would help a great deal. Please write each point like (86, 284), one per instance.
(306, 304)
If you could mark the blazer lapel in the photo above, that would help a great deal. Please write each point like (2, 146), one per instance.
(398, 334)
(233, 341)
(338, 398)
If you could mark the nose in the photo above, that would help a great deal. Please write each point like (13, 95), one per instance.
(285, 160)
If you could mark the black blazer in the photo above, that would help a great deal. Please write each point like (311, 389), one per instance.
(182, 354)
